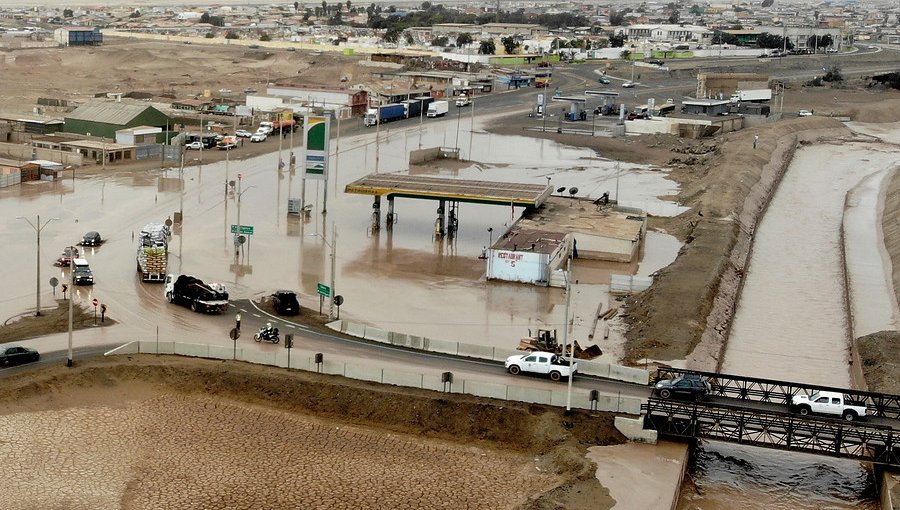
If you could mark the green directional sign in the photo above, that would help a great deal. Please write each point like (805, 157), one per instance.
(323, 290)
(245, 229)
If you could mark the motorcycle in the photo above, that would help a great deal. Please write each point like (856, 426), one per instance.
(269, 334)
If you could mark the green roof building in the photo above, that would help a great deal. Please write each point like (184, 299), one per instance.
(104, 118)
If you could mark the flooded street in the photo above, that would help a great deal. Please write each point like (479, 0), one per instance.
(791, 324)
(284, 252)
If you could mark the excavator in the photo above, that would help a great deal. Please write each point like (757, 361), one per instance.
(545, 341)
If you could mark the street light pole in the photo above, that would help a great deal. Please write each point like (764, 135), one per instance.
(37, 229)
(566, 334)
(333, 246)
(333, 263)
(71, 298)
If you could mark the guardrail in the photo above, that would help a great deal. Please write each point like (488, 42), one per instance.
(585, 367)
(445, 382)
(780, 392)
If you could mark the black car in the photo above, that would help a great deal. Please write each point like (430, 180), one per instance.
(285, 302)
(689, 385)
(83, 276)
(656, 62)
(15, 355)
(91, 239)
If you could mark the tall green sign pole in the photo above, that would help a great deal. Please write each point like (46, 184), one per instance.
(315, 154)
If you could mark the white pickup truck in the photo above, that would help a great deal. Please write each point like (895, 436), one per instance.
(544, 363)
(828, 402)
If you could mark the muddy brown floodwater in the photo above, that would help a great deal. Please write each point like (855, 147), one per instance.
(791, 324)
(424, 279)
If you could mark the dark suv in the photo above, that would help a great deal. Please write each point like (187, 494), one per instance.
(285, 302)
(91, 239)
(689, 385)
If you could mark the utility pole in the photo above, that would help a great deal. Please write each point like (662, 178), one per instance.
(71, 298)
(37, 228)
(566, 333)
(333, 263)
(472, 126)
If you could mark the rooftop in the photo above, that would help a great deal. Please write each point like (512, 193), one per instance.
(462, 190)
(564, 215)
(108, 112)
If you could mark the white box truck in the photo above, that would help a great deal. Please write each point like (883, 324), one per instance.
(437, 109)
(751, 95)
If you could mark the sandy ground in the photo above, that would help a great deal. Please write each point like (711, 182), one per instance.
(112, 433)
(165, 71)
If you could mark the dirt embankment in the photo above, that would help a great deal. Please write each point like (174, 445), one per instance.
(560, 442)
(880, 352)
(685, 315)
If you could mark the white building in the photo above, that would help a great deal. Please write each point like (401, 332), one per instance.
(672, 34)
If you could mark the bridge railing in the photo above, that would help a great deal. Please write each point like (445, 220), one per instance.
(772, 429)
(781, 392)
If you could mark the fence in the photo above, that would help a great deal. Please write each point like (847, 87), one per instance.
(585, 367)
(581, 398)
(628, 284)
(10, 179)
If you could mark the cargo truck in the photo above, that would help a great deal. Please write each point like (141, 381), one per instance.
(190, 291)
(151, 263)
(384, 113)
(751, 95)
(437, 109)
(417, 107)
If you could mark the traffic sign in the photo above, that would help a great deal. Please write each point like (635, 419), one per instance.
(235, 333)
(323, 290)
(95, 301)
(338, 300)
(245, 229)
(54, 282)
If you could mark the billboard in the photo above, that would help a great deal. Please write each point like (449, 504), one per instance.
(315, 136)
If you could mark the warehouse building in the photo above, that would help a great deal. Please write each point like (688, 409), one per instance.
(78, 36)
(104, 118)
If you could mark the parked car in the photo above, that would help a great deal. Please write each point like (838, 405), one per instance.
(689, 385)
(195, 145)
(628, 85)
(249, 90)
(656, 62)
(872, 47)
(16, 355)
(285, 302)
(604, 80)
(241, 133)
(259, 136)
(91, 239)
(804, 113)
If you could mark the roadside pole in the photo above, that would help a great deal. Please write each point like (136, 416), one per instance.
(566, 334)
(71, 298)
(333, 263)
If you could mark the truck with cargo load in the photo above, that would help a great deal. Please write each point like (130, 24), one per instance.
(384, 113)
(437, 109)
(751, 95)
(190, 291)
(417, 107)
(280, 126)
(152, 263)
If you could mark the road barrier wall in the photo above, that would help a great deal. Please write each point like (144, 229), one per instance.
(581, 398)
(586, 367)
